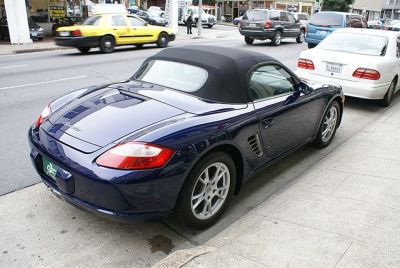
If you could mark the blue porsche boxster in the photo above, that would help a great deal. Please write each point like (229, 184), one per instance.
(182, 135)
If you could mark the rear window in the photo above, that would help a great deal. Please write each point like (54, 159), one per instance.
(327, 19)
(92, 21)
(255, 15)
(181, 76)
(372, 45)
(302, 17)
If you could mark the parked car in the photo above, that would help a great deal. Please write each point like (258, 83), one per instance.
(262, 24)
(324, 23)
(65, 21)
(365, 62)
(392, 27)
(176, 137)
(206, 19)
(134, 9)
(152, 18)
(375, 24)
(109, 30)
(35, 31)
(160, 11)
(302, 17)
(237, 20)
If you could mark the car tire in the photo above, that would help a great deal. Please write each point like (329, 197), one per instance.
(210, 26)
(387, 99)
(277, 39)
(84, 49)
(139, 46)
(40, 38)
(162, 40)
(311, 45)
(197, 212)
(107, 44)
(300, 37)
(248, 40)
(329, 124)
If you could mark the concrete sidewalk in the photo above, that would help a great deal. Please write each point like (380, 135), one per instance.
(343, 212)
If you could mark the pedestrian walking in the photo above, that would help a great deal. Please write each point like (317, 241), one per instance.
(189, 22)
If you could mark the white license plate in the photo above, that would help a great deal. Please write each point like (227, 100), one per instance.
(324, 33)
(252, 25)
(34, 33)
(63, 33)
(334, 67)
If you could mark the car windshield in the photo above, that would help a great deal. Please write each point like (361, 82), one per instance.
(327, 19)
(184, 77)
(355, 43)
(255, 15)
(91, 20)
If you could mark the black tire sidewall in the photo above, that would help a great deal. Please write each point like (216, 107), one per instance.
(275, 38)
(248, 40)
(387, 99)
(298, 39)
(318, 140)
(184, 210)
(160, 43)
(102, 46)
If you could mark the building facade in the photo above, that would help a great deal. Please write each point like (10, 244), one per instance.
(370, 9)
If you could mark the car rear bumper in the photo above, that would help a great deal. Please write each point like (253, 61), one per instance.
(314, 41)
(119, 195)
(84, 41)
(350, 88)
(257, 34)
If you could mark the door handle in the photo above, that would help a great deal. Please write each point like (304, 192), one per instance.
(269, 122)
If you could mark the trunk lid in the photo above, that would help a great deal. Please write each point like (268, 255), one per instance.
(105, 116)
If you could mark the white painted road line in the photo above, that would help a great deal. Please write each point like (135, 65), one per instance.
(15, 66)
(44, 82)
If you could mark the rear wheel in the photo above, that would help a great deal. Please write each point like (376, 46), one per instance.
(107, 44)
(139, 46)
(311, 45)
(248, 40)
(328, 125)
(162, 40)
(207, 191)
(277, 39)
(300, 37)
(84, 49)
(389, 95)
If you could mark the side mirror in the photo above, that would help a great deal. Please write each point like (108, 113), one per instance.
(297, 21)
(303, 88)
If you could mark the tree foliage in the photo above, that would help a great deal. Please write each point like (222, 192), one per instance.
(337, 5)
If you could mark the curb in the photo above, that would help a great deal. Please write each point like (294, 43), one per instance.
(181, 257)
(32, 50)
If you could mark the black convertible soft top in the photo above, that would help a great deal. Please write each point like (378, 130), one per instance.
(227, 69)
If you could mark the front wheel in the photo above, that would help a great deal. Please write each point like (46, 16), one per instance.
(207, 191)
(162, 40)
(277, 39)
(311, 45)
(139, 46)
(328, 125)
(107, 44)
(389, 95)
(248, 40)
(300, 37)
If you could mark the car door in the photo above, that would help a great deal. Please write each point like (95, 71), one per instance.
(141, 32)
(284, 21)
(120, 29)
(293, 26)
(286, 117)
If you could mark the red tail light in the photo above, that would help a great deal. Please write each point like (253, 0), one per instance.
(365, 73)
(135, 155)
(76, 32)
(45, 113)
(305, 64)
(267, 24)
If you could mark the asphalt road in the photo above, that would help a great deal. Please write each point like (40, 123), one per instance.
(31, 81)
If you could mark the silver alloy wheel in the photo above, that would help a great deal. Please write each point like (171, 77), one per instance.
(210, 191)
(329, 124)
(163, 39)
(278, 38)
(107, 44)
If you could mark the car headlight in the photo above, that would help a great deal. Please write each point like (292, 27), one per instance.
(40, 29)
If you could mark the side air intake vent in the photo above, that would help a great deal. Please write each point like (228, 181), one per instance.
(254, 142)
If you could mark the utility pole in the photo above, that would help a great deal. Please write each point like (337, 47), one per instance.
(200, 21)
(392, 16)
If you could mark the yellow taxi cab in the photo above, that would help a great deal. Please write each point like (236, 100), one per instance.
(109, 30)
